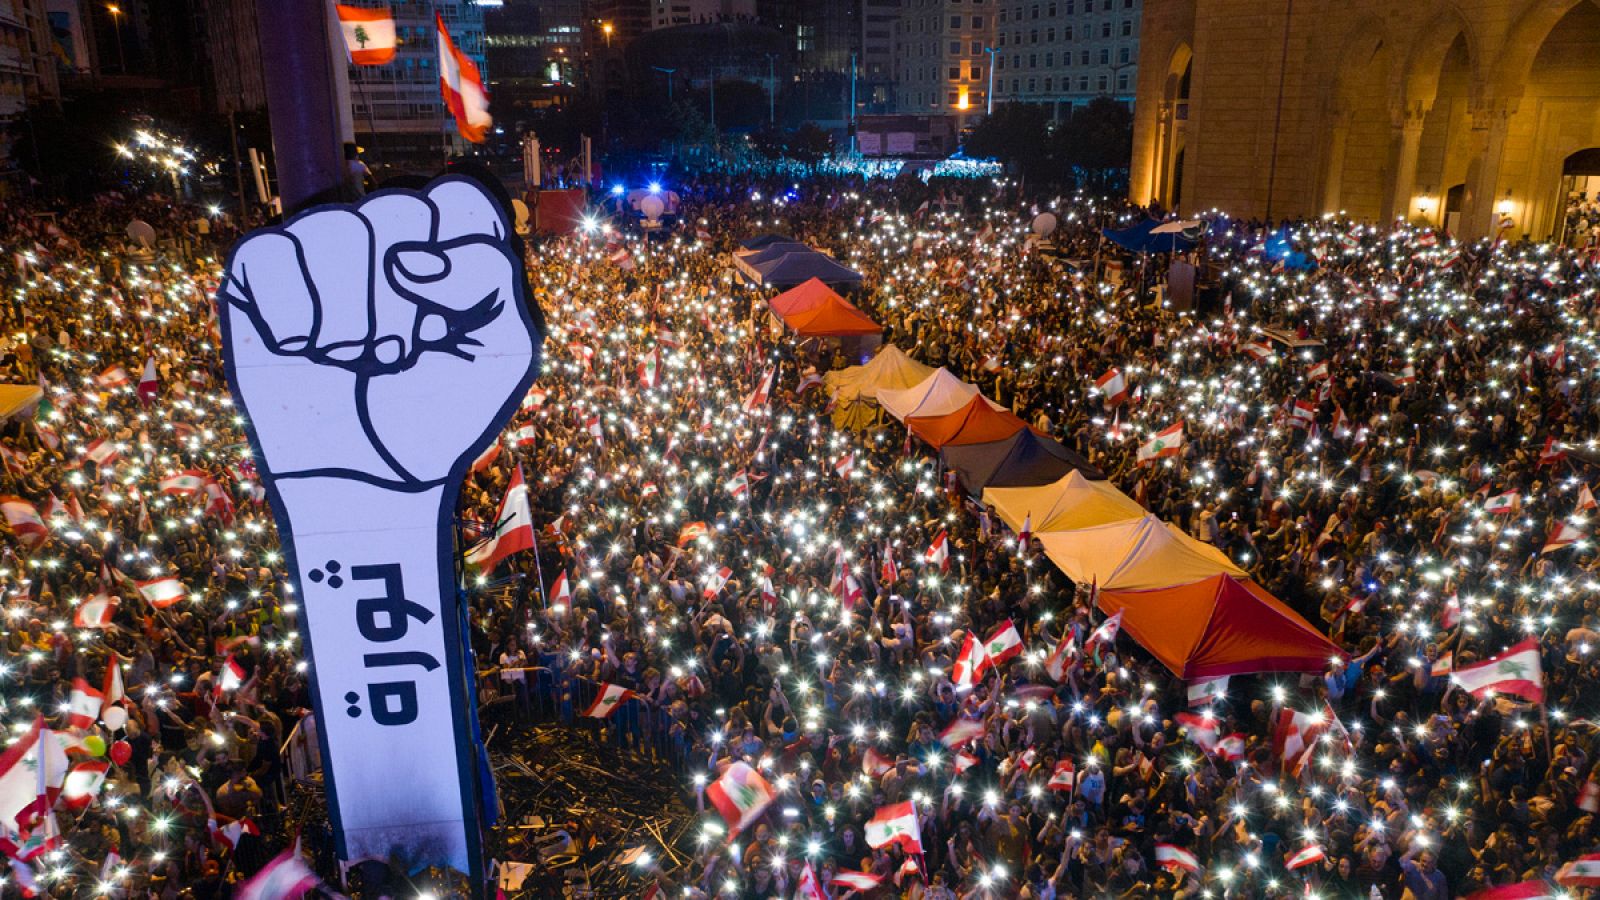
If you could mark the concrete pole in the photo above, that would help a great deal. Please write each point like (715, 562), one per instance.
(302, 98)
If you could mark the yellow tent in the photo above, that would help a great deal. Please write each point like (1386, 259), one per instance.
(18, 399)
(1069, 503)
(1135, 555)
(854, 390)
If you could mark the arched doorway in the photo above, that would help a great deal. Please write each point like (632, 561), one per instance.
(1578, 224)
(1453, 199)
(1174, 129)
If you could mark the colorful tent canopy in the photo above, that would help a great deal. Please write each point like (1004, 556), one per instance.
(1135, 555)
(1070, 503)
(1025, 458)
(1220, 626)
(976, 423)
(763, 241)
(806, 295)
(833, 317)
(18, 399)
(855, 390)
(936, 395)
(789, 263)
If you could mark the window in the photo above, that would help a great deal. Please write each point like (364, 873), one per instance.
(977, 47)
(1083, 58)
(975, 72)
(1016, 61)
(1000, 62)
(1105, 5)
(1014, 83)
(1049, 60)
(977, 23)
(1033, 36)
(955, 73)
(1033, 60)
(1033, 12)
(1002, 38)
(1127, 4)
(1048, 81)
(1072, 6)
(1122, 81)
(1105, 29)
(955, 48)
(1052, 11)
(1032, 85)
(1127, 27)
(1101, 81)
(1122, 55)
(1066, 33)
(1105, 56)
(1002, 15)
(1050, 35)
(955, 23)
(951, 98)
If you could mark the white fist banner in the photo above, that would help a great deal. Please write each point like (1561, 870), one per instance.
(375, 351)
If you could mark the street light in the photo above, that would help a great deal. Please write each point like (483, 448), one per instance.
(606, 27)
(669, 73)
(993, 52)
(116, 24)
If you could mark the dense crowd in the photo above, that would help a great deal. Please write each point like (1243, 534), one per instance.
(704, 531)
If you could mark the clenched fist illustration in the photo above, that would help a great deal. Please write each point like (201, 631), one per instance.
(382, 342)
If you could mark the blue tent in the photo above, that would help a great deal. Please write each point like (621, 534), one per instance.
(762, 242)
(800, 266)
(1137, 237)
(1023, 460)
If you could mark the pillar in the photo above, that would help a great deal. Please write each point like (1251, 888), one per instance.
(1491, 122)
(1333, 176)
(1408, 141)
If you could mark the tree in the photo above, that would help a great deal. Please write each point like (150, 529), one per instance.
(1098, 144)
(1015, 134)
(362, 37)
(810, 143)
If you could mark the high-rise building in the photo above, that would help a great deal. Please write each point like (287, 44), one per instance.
(1064, 53)
(27, 67)
(667, 13)
(875, 75)
(941, 66)
(535, 50)
(398, 113)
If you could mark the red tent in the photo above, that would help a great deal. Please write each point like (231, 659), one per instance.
(976, 423)
(1220, 626)
(833, 317)
(802, 297)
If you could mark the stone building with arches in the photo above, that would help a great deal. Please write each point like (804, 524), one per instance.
(1461, 114)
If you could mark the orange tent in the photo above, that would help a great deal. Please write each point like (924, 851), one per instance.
(802, 297)
(976, 423)
(833, 317)
(1220, 626)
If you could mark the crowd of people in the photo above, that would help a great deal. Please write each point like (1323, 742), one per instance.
(696, 531)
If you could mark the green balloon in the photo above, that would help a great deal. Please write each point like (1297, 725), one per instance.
(95, 744)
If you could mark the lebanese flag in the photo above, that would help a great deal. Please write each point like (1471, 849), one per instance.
(650, 369)
(1581, 872)
(23, 517)
(809, 888)
(513, 532)
(1302, 414)
(969, 664)
(1168, 442)
(1056, 665)
(1105, 634)
(1589, 796)
(1408, 375)
(1305, 858)
(895, 824)
(1565, 534)
(1113, 387)
(1258, 350)
(561, 592)
(807, 382)
(32, 771)
(1064, 778)
(1502, 504)
(758, 398)
(715, 581)
(1551, 453)
(691, 532)
(462, 87)
(622, 259)
(769, 597)
(230, 834)
(888, 573)
(149, 383)
(939, 552)
(592, 425)
(1443, 665)
(606, 702)
(1515, 672)
(855, 881)
(83, 783)
(218, 503)
(83, 707)
(1586, 499)
(369, 34)
(161, 592)
(487, 457)
(1231, 748)
(1294, 734)
(845, 465)
(741, 795)
(114, 377)
(522, 437)
(102, 452)
(1170, 857)
(1205, 691)
(1317, 372)
(286, 877)
(185, 483)
(95, 612)
(1003, 644)
(959, 732)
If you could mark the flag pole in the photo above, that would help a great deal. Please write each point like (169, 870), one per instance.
(302, 100)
